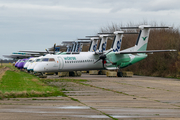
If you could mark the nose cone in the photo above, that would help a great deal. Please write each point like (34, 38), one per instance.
(38, 68)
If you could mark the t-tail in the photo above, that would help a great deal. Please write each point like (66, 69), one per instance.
(116, 46)
(142, 40)
(103, 42)
(93, 45)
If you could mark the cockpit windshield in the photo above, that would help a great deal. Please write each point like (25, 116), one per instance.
(45, 59)
(38, 60)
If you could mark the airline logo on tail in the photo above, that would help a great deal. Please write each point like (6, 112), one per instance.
(94, 47)
(144, 38)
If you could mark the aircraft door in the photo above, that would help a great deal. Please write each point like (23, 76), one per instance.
(61, 62)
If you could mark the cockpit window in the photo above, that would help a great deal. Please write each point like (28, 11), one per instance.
(51, 59)
(38, 60)
(45, 59)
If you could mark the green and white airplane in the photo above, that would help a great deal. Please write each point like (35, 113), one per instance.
(110, 59)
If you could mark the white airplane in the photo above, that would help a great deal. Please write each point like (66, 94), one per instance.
(55, 49)
(27, 63)
(33, 63)
(101, 60)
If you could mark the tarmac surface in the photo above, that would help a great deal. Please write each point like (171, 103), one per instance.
(102, 98)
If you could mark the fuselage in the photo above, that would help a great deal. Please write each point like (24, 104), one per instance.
(84, 61)
(75, 62)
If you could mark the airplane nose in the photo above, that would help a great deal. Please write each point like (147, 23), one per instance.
(37, 68)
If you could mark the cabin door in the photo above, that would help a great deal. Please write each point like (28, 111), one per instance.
(61, 62)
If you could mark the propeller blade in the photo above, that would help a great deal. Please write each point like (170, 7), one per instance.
(96, 61)
(103, 63)
(54, 47)
(47, 50)
(102, 49)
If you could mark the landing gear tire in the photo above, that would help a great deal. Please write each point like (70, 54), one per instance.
(100, 72)
(119, 74)
(71, 73)
(42, 75)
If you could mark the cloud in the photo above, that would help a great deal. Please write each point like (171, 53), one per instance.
(53, 8)
(38, 24)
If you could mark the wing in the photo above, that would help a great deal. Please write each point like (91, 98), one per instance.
(40, 52)
(148, 51)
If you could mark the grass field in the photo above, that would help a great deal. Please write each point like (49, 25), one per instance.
(16, 83)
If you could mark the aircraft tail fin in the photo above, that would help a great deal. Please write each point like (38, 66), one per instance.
(93, 45)
(116, 46)
(142, 40)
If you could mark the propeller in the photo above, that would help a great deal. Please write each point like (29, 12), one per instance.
(47, 50)
(54, 47)
(103, 56)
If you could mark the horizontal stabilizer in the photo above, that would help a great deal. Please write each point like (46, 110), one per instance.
(144, 27)
(159, 27)
(92, 36)
(84, 39)
(106, 36)
(65, 42)
(121, 33)
(80, 41)
(33, 51)
(148, 51)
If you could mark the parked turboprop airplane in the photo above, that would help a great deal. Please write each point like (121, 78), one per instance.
(20, 55)
(74, 46)
(40, 53)
(101, 60)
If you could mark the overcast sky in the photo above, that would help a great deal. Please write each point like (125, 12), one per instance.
(38, 24)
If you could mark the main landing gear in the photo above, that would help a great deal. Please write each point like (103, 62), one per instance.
(119, 72)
